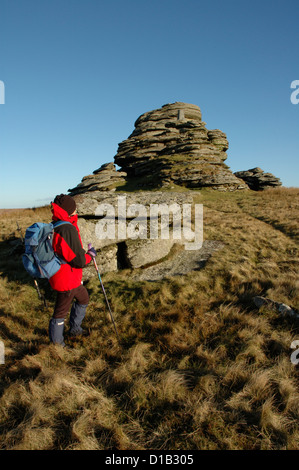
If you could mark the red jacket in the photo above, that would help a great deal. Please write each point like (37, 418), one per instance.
(67, 245)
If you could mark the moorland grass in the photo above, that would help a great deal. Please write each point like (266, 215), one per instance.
(197, 367)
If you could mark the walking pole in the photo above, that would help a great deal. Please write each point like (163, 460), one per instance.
(103, 289)
(41, 297)
(20, 232)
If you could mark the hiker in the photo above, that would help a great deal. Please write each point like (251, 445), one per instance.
(67, 281)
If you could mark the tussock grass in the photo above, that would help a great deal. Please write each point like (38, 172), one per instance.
(198, 366)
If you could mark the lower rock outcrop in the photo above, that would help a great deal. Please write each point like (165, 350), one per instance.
(257, 179)
(105, 178)
(135, 230)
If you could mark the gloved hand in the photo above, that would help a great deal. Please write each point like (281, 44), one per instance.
(91, 251)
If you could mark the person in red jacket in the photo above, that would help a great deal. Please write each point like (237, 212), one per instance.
(67, 245)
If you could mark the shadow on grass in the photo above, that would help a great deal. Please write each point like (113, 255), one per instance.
(12, 270)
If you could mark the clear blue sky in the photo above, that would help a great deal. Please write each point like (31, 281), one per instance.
(78, 73)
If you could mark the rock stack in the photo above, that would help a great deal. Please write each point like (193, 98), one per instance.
(171, 145)
(258, 180)
(170, 148)
(105, 178)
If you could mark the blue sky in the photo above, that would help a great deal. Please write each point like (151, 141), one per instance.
(78, 73)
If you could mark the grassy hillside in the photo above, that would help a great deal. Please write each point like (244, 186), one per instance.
(198, 365)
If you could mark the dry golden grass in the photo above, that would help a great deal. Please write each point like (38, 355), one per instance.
(198, 366)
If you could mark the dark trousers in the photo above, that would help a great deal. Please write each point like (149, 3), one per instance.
(64, 300)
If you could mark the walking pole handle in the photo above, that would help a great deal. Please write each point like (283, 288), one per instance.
(94, 260)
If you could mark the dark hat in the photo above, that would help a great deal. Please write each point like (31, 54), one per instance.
(66, 202)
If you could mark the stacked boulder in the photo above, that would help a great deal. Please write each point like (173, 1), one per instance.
(171, 145)
(170, 148)
(105, 178)
(119, 225)
(258, 180)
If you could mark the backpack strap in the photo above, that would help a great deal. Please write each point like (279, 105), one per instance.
(56, 224)
(60, 222)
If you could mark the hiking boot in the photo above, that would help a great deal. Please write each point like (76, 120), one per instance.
(76, 317)
(56, 329)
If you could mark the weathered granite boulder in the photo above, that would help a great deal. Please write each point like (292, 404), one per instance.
(134, 230)
(141, 253)
(105, 178)
(183, 262)
(107, 260)
(171, 145)
(258, 180)
(279, 307)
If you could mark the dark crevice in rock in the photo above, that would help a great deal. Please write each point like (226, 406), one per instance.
(123, 261)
